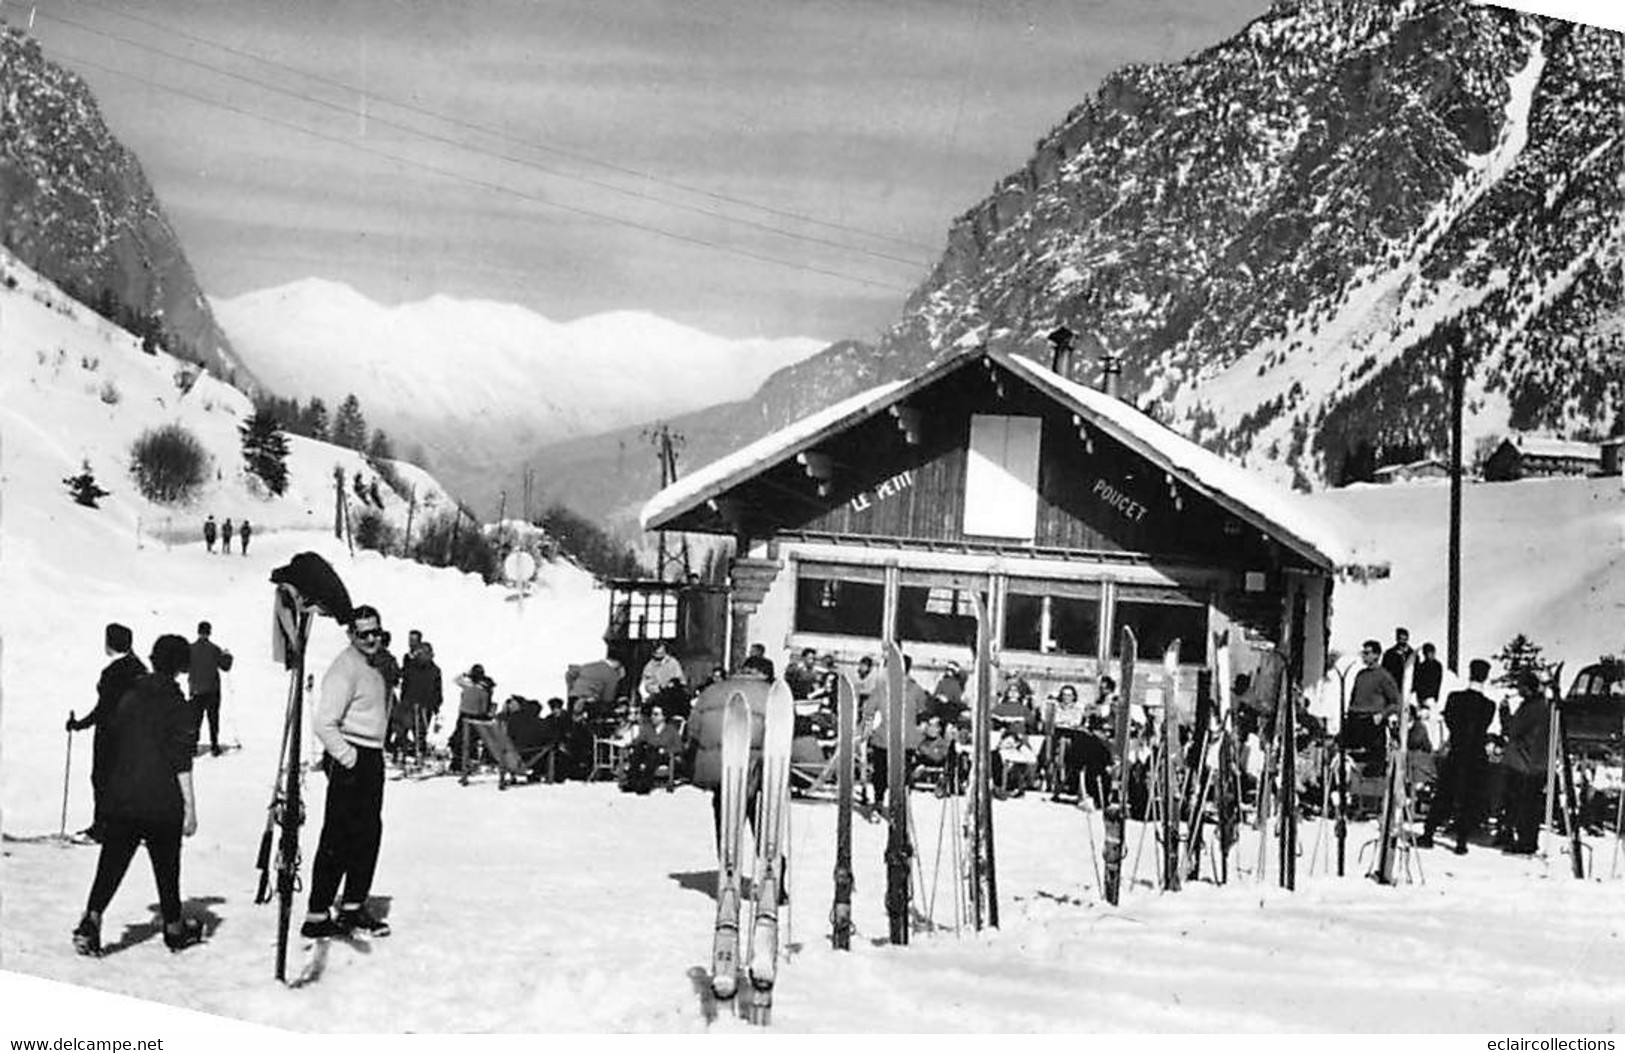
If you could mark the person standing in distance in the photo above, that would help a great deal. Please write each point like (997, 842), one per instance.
(208, 661)
(118, 677)
(351, 715)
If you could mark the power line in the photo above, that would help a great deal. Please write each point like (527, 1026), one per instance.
(576, 156)
(498, 187)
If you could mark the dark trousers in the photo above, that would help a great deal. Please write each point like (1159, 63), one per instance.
(1528, 804)
(465, 741)
(352, 829)
(101, 762)
(1456, 793)
(120, 838)
(206, 704)
(642, 762)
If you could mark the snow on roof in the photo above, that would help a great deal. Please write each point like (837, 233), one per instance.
(770, 449)
(1278, 511)
(1549, 446)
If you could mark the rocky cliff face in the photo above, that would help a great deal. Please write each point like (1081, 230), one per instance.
(75, 206)
(1283, 234)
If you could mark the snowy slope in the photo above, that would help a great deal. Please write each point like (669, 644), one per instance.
(575, 908)
(477, 381)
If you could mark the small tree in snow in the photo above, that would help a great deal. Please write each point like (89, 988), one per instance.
(265, 450)
(83, 487)
(169, 463)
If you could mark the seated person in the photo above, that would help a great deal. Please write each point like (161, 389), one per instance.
(1012, 710)
(528, 732)
(578, 739)
(934, 746)
(1016, 761)
(656, 743)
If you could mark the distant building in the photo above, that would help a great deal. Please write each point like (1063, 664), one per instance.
(1427, 468)
(1612, 458)
(1536, 455)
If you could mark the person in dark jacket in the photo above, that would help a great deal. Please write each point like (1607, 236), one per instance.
(118, 677)
(1428, 679)
(657, 743)
(422, 695)
(1467, 717)
(758, 661)
(147, 798)
(1528, 735)
(244, 532)
(1395, 658)
(203, 677)
(225, 538)
(210, 531)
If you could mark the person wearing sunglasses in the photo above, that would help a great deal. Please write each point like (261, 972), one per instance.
(351, 717)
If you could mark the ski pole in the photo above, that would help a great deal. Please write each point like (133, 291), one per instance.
(67, 773)
(1094, 853)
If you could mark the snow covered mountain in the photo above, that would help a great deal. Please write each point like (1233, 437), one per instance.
(76, 391)
(474, 381)
(1277, 235)
(76, 207)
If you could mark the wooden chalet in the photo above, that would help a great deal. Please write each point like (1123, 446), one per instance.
(1070, 511)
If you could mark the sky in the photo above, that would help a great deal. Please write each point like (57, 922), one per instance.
(580, 157)
(750, 167)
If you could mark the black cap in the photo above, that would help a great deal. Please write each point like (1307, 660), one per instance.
(118, 637)
(1478, 669)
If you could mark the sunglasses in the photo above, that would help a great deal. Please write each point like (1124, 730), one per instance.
(369, 634)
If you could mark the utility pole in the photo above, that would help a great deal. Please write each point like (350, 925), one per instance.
(666, 443)
(1457, 381)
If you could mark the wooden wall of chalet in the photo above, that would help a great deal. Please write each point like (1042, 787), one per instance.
(1108, 500)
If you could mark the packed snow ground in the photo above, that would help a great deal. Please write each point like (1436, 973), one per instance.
(577, 908)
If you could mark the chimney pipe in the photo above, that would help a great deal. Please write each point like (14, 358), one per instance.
(1111, 368)
(1060, 362)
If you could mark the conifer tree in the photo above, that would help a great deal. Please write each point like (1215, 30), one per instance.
(349, 426)
(83, 487)
(265, 450)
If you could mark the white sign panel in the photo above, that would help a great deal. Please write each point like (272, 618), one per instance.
(1001, 477)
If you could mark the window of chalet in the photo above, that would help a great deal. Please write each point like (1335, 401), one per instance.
(1052, 617)
(1001, 477)
(1160, 616)
(638, 615)
(840, 600)
(937, 607)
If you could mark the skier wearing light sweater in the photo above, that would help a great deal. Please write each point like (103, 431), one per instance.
(351, 717)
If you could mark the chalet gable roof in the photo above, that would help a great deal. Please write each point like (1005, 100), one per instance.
(1278, 513)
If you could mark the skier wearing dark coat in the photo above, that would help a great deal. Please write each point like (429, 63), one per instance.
(422, 694)
(209, 533)
(225, 537)
(148, 796)
(1394, 659)
(1467, 716)
(118, 677)
(1528, 735)
(203, 677)
(245, 532)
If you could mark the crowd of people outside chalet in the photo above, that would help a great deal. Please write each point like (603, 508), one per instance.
(1475, 759)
